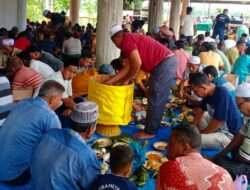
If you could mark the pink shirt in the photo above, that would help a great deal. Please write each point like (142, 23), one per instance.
(193, 172)
(150, 50)
(182, 58)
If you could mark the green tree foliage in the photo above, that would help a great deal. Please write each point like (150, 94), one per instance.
(138, 4)
(218, 10)
(132, 4)
(35, 9)
(61, 5)
(91, 8)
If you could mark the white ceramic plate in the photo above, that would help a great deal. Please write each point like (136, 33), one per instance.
(160, 145)
(103, 142)
(120, 143)
(154, 155)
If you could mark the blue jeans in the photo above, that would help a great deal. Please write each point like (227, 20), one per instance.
(159, 88)
(220, 32)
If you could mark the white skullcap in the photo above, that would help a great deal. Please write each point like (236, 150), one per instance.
(45, 13)
(114, 29)
(243, 90)
(85, 112)
(8, 42)
(195, 60)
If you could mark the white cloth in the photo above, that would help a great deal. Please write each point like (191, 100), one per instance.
(187, 23)
(114, 30)
(229, 43)
(57, 76)
(209, 39)
(243, 90)
(214, 140)
(72, 46)
(42, 68)
(8, 42)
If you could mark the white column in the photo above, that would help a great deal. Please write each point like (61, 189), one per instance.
(185, 4)
(49, 5)
(175, 11)
(21, 14)
(155, 13)
(109, 14)
(74, 10)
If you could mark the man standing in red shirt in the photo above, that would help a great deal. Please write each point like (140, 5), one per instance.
(143, 52)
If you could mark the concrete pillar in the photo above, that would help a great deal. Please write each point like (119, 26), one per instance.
(21, 14)
(49, 5)
(109, 14)
(185, 4)
(155, 13)
(175, 11)
(74, 10)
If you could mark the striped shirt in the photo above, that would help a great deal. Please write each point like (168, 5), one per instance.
(244, 150)
(72, 46)
(27, 77)
(5, 99)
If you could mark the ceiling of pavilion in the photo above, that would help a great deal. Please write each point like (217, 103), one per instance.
(220, 1)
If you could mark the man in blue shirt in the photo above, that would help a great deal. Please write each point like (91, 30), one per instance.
(220, 23)
(242, 66)
(62, 159)
(24, 126)
(213, 77)
(218, 102)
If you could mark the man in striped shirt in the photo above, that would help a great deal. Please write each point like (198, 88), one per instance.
(5, 99)
(24, 76)
(239, 164)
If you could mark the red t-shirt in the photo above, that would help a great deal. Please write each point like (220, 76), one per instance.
(22, 43)
(150, 50)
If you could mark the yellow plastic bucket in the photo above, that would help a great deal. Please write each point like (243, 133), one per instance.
(115, 102)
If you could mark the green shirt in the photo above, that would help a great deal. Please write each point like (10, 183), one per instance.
(242, 67)
(227, 66)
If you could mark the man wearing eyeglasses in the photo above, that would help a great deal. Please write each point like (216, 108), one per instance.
(239, 147)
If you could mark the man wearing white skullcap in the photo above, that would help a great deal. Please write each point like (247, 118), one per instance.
(8, 51)
(194, 65)
(62, 159)
(239, 147)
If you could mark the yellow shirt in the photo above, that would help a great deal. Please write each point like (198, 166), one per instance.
(4, 57)
(139, 77)
(232, 54)
(80, 82)
(211, 58)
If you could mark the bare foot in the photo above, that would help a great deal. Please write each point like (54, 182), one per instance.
(143, 135)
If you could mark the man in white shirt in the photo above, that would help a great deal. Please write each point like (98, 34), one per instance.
(208, 37)
(72, 46)
(229, 43)
(188, 25)
(64, 77)
(42, 68)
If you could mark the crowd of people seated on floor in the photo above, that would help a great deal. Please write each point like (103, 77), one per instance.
(43, 139)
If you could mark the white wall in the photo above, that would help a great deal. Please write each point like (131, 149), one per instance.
(8, 13)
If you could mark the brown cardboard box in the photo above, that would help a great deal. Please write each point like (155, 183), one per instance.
(22, 93)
